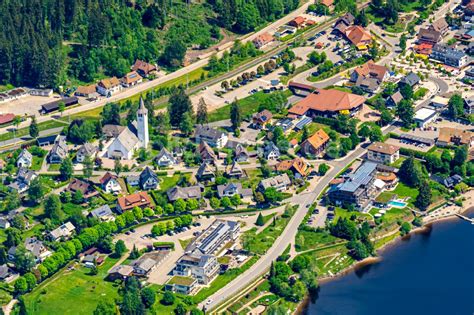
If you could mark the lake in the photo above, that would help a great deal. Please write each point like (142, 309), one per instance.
(431, 272)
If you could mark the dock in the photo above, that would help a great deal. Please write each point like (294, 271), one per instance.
(465, 218)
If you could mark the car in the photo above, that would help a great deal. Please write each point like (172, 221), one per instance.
(307, 206)
(209, 301)
(127, 233)
(132, 230)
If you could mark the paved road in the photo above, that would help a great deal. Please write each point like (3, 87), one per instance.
(288, 235)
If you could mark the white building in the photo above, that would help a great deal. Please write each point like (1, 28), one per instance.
(424, 116)
(25, 159)
(383, 153)
(128, 141)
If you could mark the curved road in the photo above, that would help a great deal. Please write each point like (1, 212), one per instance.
(282, 242)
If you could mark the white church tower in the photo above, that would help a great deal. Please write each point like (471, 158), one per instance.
(142, 124)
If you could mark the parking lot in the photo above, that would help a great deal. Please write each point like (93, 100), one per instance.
(27, 105)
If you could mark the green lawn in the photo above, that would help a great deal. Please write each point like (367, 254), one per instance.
(403, 190)
(306, 240)
(72, 292)
(342, 213)
(248, 105)
(37, 162)
(50, 124)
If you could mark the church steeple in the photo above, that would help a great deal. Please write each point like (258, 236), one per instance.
(142, 124)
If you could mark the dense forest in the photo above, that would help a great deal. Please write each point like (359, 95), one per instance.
(58, 42)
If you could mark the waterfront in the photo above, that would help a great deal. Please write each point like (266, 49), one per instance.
(430, 272)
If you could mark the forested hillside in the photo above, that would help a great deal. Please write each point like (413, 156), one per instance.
(56, 42)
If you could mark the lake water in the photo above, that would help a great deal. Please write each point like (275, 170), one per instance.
(432, 272)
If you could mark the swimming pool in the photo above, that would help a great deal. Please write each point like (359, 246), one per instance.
(397, 204)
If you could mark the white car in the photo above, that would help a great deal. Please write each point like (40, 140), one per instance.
(208, 301)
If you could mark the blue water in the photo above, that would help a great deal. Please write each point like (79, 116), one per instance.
(397, 204)
(429, 273)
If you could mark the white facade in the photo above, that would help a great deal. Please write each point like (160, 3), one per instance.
(112, 186)
(142, 125)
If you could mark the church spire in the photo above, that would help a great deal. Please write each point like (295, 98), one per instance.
(142, 109)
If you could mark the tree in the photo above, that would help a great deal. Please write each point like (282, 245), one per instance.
(405, 112)
(410, 172)
(455, 106)
(260, 221)
(111, 114)
(120, 248)
(66, 169)
(179, 104)
(225, 202)
(403, 42)
(52, 208)
(186, 124)
(36, 190)
(34, 130)
(24, 259)
(272, 195)
(174, 53)
(105, 308)
(323, 169)
(405, 228)
(117, 167)
(423, 200)
(201, 114)
(148, 297)
(179, 205)
(375, 134)
(215, 203)
(247, 18)
(20, 285)
(406, 91)
(305, 134)
(168, 298)
(362, 19)
(13, 237)
(460, 155)
(235, 115)
(386, 117)
(88, 166)
(359, 251)
(61, 107)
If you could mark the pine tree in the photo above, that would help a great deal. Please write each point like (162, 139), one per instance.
(235, 116)
(34, 130)
(88, 166)
(260, 221)
(423, 200)
(201, 115)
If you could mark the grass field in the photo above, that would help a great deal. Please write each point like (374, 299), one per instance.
(72, 292)
(403, 190)
(50, 124)
(306, 240)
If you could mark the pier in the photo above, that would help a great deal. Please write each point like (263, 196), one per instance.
(465, 218)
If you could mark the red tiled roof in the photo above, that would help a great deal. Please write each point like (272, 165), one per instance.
(6, 118)
(327, 100)
(138, 199)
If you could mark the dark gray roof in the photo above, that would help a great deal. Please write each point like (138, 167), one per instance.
(101, 212)
(146, 174)
(411, 79)
(448, 52)
(208, 132)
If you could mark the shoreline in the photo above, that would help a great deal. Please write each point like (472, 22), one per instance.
(376, 259)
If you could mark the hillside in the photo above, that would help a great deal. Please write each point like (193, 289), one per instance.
(63, 42)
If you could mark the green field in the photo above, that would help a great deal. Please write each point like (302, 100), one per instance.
(50, 124)
(306, 240)
(403, 190)
(72, 292)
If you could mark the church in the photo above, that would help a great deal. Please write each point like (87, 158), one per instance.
(131, 138)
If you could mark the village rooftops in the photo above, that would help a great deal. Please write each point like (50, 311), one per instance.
(192, 192)
(384, 148)
(109, 82)
(372, 70)
(449, 135)
(139, 199)
(327, 101)
(357, 35)
(361, 177)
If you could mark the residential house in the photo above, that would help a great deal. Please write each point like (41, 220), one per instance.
(327, 3)
(33, 245)
(316, 144)
(298, 166)
(58, 152)
(344, 22)
(393, 100)
(5, 272)
(23, 180)
(142, 267)
(165, 158)
(144, 69)
(206, 172)
(469, 105)
(148, 179)
(103, 213)
(140, 199)
(25, 159)
(440, 26)
(131, 79)
(86, 189)
(4, 223)
(133, 180)
(448, 182)
(439, 102)
(449, 56)
(410, 79)
(203, 268)
(87, 149)
(451, 136)
(368, 73)
(328, 103)
(213, 137)
(261, 119)
(88, 91)
(120, 272)
(270, 151)
(206, 153)
(297, 22)
(429, 36)
(62, 232)
(181, 285)
(358, 36)
(234, 170)
(357, 188)
(109, 183)
(214, 238)
(191, 192)
(280, 183)
(241, 154)
(232, 189)
(383, 153)
(262, 40)
(108, 87)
